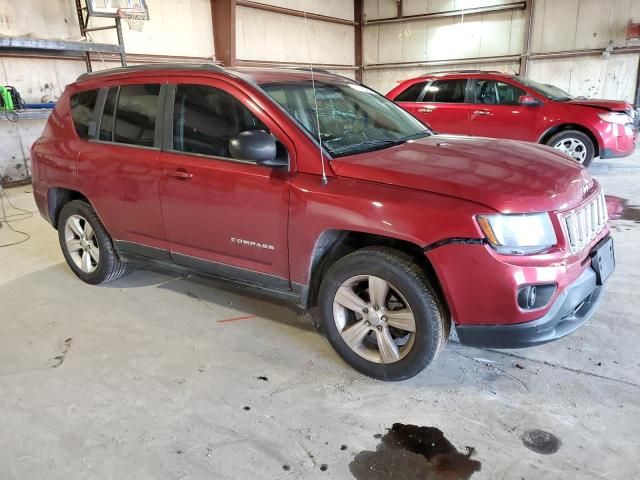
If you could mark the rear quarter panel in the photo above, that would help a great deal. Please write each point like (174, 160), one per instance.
(54, 155)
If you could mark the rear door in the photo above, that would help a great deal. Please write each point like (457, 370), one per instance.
(443, 106)
(118, 167)
(497, 113)
(222, 215)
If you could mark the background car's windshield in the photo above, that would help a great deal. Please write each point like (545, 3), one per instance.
(352, 118)
(549, 91)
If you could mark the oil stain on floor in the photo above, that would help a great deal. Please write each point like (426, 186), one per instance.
(541, 442)
(414, 453)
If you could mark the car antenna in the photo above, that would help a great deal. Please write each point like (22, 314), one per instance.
(315, 98)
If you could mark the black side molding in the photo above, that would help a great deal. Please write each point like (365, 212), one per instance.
(455, 241)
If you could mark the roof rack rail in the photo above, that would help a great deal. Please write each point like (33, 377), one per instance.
(308, 69)
(152, 67)
(319, 70)
(463, 71)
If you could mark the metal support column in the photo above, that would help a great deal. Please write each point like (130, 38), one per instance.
(123, 54)
(83, 22)
(526, 44)
(358, 16)
(224, 31)
(83, 31)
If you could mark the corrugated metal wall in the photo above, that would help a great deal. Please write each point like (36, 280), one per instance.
(567, 26)
(330, 8)
(176, 29)
(269, 36)
(263, 36)
(181, 28)
(568, 38)
(573, 25)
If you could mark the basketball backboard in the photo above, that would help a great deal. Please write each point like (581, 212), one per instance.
(109, 8)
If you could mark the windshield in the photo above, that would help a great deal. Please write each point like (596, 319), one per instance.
(353, 119)
(549, 91)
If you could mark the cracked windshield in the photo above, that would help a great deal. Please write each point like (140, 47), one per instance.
(352, 118)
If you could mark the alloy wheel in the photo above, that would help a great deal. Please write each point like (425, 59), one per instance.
(572, 147)
(81, 243)
(374, 319)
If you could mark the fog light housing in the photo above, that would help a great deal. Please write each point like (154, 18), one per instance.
(535, 296)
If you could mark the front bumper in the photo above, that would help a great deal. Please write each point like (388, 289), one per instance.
(571, 309)
(619, 142)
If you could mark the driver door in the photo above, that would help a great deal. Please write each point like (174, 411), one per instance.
(221, 215)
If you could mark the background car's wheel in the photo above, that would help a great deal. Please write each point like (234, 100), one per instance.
(381, 314)
(575, 144)
(86, 245)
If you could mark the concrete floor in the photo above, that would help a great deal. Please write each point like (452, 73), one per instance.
(141, 379)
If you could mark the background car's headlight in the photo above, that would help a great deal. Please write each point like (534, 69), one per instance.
(518, 234)
(616, 117)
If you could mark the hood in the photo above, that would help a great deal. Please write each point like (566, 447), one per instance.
(612, 105)
(506, 175)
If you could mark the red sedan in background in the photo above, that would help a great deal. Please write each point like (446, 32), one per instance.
(493, 104)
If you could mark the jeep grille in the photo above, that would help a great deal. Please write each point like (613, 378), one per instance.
(586, 222)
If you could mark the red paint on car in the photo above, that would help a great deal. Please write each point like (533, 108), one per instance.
(274, 228)
(492, 104)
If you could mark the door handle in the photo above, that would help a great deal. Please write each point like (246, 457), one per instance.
(482, 112)
(179, 173)
(425, 110)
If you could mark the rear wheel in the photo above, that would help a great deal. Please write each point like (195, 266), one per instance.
(575, 144)
(381, 314)
(86, 245)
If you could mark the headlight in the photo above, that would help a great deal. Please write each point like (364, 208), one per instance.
(616, 117)
(518, 234)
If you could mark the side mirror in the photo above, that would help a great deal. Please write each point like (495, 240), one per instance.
(528, 101)
(257, 146)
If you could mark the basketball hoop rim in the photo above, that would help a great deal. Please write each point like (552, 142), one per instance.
(132, 12)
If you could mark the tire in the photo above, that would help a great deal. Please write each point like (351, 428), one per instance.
(89, 252)
(574, 143)
(409, 294)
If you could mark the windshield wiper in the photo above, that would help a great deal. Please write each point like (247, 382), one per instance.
(365, 143)
(376, 144)
(413, 136)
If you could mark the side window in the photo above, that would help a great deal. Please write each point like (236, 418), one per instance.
(108, 115)
(82, 105)
(492, 92)
(411, 94)
(206, 118)
(135, 122)
(446, 91)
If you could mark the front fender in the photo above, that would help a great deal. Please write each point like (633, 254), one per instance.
(414, 216)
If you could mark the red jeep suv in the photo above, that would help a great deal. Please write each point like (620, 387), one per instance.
(493, 104)
(313, 188)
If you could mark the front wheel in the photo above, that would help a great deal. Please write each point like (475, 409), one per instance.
(575, 144)
(381, 314)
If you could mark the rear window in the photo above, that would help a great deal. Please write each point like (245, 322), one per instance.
(446, 91)
(136, 111)
(82, 105)
(411, 94)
